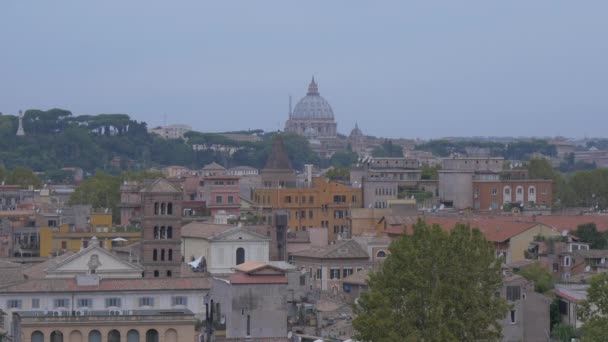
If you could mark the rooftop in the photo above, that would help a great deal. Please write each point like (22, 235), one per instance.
(51, 285)
(339, 250)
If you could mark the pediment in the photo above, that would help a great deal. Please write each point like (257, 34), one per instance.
(96, 258)
(239, 233)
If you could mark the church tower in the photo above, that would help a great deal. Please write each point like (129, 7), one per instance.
(161, 229)
(20, 131)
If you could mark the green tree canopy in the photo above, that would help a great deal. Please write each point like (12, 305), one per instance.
(542, 278)
(434, 286)
(594, 311)
(341, 174)
(588, 233)
(23, 177)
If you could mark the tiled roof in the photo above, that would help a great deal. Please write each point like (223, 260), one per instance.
(592, 253)
(340, 250)
(571, 222)
(204, 230)
(252, 339)
(213, 166)
(10, 273)
(141, 284)
(37, 271)
(243, 278)
(359, 278)
(160, 185)
(251, 266)
(498, 229)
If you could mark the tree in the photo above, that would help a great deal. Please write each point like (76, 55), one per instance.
(434, 286)
(430, 172)
(343, 159)
(342, 174)
(594, 311)
(23, 177)
(588, 233)
(542, 278)
(563, 332)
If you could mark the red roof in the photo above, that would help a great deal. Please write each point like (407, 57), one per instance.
(570, 222)
(243, 278)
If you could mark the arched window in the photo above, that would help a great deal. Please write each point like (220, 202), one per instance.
(163, 209)
(156, 274)
(162, 255)
(170, 208)
(170, 256)
(169, 232)
(114, 336)
(94, 336)
(37, 336)
(152, 335)
(76, 336)
(171, 335)
(133, 336)
(381, 254)
(155, 208)
(154, 255)
(240, 255)
(163, 232)
(169, 274)
(56, 336)
(155, 232)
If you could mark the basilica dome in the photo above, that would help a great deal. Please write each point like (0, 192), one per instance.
(312, 106)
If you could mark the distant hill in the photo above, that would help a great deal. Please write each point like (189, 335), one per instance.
(114, 142)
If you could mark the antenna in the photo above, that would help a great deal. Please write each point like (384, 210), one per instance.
(290, 106)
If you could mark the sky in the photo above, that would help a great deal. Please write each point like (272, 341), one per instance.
(411, 69)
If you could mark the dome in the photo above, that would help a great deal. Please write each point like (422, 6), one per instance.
(310, 132)
(312, 106)
(356, 132)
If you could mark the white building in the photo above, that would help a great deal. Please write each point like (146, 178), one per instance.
(223, 246)
(171, 131)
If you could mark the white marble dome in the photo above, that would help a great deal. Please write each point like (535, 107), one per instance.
(312, 106)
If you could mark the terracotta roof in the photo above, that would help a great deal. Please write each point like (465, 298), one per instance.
(140, 284)
(252, 266)
(252, 339)
(37, 271)
(497, 229)
(161, 185)
(359, 278)
(13, 213)
(329, 305)
(340, 250)
(571, 222)
(213, 166)
(204, 230)
(244, 278)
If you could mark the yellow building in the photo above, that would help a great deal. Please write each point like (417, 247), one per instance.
(69, 238)
(323, 204)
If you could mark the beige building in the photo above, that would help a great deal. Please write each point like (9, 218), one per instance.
(144, 325)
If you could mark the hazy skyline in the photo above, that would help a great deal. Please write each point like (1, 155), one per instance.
(412, 69)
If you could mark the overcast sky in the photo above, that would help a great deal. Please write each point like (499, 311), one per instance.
(398, 68)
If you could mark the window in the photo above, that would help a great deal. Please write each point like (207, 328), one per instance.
(311, 200)
(512, 316)
(218, 199)
(494, 192)
(287, 199)
(146, 301)
(154, 255)
(567, 261)
(61, 303)
(381, 254)
(35, 303)
(543, 190)
(169, 232)
(230, 199)
(513, 293)
(170, 257)
(563, 307)
(346, 272)
(334, 273)
(555, 267)
(507, 191)
(303, 214)
(84, 302)
(113, 301)
(303, 280)
(13, 303)
(156, 233)
(354, 198)
(64, 245)
(303, 199)
(170, 208)
(310, 214)
(156, 208)
(531, 190)
(319, 273)
(240, 255)
(520, 190)
(179, 300)
(156, 274)
(162, 255)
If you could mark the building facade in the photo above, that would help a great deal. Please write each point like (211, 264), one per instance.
(161, 229)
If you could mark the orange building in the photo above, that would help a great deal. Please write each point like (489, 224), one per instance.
(491, 195)
(322, 204)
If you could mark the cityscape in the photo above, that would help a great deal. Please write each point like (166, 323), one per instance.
(320, 220)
